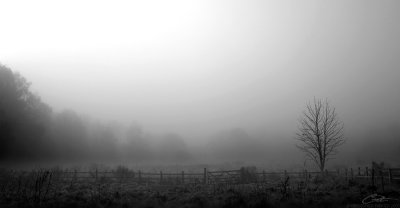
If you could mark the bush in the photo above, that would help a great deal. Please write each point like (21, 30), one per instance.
(248, 174)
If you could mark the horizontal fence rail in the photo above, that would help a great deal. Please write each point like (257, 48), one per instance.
(374, 176)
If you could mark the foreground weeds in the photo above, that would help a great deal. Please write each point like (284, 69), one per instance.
(43, 188)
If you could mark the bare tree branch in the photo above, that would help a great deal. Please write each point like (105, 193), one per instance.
(320, 132)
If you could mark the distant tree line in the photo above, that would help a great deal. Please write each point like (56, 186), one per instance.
(31, 130)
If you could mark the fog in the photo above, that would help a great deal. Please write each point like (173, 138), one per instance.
(207, 81)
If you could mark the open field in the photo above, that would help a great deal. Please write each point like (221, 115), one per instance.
(246, 187)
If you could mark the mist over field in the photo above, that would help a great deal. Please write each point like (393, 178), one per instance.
(205, 82)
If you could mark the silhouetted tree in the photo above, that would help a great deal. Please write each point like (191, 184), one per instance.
(235, 145)
(320, 132)
(137, 147)
(104, 142)
(173, 148)
(69, 135)
(23, 118)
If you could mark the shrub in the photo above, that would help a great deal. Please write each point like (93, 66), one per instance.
(248, 174)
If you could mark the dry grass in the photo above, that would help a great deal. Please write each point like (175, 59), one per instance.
(44, 188)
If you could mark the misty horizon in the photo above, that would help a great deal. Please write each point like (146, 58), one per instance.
(230, 75)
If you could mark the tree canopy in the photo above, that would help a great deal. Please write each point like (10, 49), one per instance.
(23, 117)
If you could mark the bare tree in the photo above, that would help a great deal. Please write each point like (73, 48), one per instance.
(320, 132)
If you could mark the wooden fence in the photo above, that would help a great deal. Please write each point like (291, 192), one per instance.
(241, 176)
(375, 176)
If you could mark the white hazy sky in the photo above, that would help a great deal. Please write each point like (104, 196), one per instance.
(200, 66)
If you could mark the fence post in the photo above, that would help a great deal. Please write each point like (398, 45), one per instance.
(285, 174)
(263, 175)
(205, 176)
(366, 170)
(352, 173)
(390, 175)
(161, 177)
(382, 181)
(345, 172)
(183, 176)
(96, 174)
(359, 171)
(373, 176)
(306, 175)
(140, 176)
